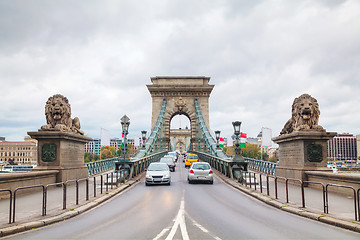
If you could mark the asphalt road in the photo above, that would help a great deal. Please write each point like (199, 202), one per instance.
(184, 211)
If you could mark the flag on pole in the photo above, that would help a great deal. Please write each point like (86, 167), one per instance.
(243, 137)
(221, 142)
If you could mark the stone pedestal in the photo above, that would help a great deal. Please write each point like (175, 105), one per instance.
(61, 151)
(302, 151)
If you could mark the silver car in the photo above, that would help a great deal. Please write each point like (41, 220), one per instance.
(157, 173)
(200, 171)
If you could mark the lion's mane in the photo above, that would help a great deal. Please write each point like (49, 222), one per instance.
(305, 115)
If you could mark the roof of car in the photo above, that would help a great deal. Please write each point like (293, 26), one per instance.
(160, 163)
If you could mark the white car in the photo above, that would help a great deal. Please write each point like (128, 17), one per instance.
(200, 172)
(158, 173)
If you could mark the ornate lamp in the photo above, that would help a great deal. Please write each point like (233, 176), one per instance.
(236, 126)
(143, 135)
(241, 165)
(125, 122)
(217, 136)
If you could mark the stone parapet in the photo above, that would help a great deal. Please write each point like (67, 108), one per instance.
(63, 152)
(346, 179)
(302, 151)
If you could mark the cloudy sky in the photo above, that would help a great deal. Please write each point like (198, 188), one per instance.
(101, 54)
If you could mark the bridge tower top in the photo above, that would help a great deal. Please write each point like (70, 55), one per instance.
(180, 92)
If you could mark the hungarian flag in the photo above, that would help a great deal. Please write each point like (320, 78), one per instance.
(243, 137)
(221, 142)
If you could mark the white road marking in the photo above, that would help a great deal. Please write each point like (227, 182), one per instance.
(201, 227)
(161, 233)
(179, 221)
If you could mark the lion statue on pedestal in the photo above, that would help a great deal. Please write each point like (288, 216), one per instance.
(305, 116)
(58, 116)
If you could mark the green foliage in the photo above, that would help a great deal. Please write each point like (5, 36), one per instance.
(272, 159)
(89, 157)
(253, 151)
(107, 152)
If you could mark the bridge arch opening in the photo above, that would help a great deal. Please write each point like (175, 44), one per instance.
(180, 132)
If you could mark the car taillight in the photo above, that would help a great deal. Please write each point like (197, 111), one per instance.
(191, 171)
(210, 172)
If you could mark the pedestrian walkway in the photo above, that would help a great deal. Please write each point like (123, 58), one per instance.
(29, 207)
(341, 208)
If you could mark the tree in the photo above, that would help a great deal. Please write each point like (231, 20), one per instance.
(251, 151)
(272, 159)
(90, 157)
(87, 157)
(107, 152)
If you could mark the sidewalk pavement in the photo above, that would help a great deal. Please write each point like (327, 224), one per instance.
(341, 208)
(28, 214)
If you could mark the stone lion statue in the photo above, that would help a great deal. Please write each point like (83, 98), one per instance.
(305, 115)
(58, 116)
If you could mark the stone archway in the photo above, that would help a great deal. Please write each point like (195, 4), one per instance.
(180, 94)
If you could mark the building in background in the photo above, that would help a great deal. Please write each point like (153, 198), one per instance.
(116, 142)
(358, 147)
(19, 152)
(342, 147)
(94, 145)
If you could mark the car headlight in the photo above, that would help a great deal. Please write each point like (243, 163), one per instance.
(166, 176)
(148, 176)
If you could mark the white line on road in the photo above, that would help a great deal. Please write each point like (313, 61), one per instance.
(201, 227)
(179, 220)
(161, 233)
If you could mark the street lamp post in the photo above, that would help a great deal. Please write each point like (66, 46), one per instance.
(237, 155)
(125, 122)
(239, 165)
(217, 136)
(143, 135)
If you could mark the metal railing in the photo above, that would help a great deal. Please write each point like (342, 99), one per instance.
(64, 185)
(324, 190)
(101, 166)
(262, 166)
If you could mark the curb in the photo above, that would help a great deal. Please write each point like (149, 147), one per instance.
(354, 226)
(66, 215)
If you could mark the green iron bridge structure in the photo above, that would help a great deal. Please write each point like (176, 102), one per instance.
(204, 145)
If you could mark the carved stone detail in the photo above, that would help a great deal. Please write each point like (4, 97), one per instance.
(58, 116)
(180, 104)
(48, 152)
(305, 116)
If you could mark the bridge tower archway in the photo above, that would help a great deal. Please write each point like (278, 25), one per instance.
(180, 94)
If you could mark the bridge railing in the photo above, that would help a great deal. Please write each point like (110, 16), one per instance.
(134, 165)
(223, 165)
(139, 165)
(261, 166)
(101, 165)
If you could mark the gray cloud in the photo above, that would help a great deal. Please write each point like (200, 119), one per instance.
(259, 54)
